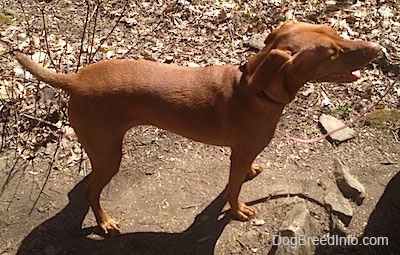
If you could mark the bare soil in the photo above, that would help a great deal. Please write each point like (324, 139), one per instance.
(167, 195)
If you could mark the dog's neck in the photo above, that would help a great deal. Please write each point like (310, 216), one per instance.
(244, 78)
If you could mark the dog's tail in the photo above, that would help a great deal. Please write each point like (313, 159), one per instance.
(62, 81)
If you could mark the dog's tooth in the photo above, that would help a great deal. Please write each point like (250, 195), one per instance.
(356, 73)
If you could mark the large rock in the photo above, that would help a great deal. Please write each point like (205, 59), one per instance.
(330, 123)
(250, 239)
(257, 41)
(297, 226)
(339, 206)
(348, 185)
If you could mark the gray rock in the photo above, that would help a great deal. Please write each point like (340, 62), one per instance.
(339, 206)
(250, 239)
(257, 41)
(297, 225)
(330, 123)
(348, 185)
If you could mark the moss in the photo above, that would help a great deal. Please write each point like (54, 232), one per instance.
(6, 15)
(9, 12)
(382, 116)
(5, 20)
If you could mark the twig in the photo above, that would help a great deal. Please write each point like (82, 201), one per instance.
(394, 131)
(189, 206)
(17, 186)
(83, 35)
(285, 202)
(28, 30)
(45, 38)
(112, 31)
(153, 31)
(53, 159)
(40, 120)
(4, 128)
(38, 185)
(11, 172)
(94, 13)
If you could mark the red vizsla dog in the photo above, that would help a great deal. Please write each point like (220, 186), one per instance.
(235, 106)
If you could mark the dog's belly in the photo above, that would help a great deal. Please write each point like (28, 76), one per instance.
(213, 126)
(200, 127)
(203, 118)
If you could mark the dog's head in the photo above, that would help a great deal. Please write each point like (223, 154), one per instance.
(297, 53)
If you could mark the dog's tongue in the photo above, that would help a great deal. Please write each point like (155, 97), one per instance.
(342, 77)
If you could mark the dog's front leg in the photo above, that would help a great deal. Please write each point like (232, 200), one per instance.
(240, 169)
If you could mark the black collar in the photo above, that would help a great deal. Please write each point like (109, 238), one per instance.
(264, 96)
(243, 69)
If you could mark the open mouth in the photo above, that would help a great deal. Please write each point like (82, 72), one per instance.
(341, 77)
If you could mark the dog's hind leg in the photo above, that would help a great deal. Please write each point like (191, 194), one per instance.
(105, 158)
(104, 148)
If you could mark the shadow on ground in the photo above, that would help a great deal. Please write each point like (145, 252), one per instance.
(62, 234)
(384, 222)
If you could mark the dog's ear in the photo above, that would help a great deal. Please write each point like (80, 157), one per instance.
(269, 76)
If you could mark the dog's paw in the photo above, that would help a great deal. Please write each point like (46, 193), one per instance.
(254, 171)
(110, 227)
(243, 212)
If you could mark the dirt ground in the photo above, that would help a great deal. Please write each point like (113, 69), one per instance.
(167, 195)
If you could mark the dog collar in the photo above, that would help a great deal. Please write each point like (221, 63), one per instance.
(243, 69)
(264, 96)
